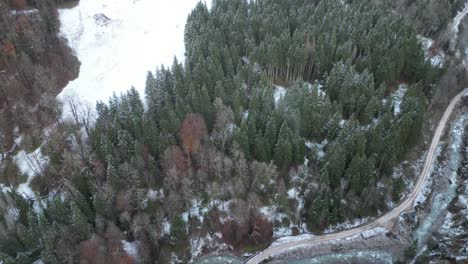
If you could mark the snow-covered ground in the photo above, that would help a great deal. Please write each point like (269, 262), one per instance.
(131, 248)
(346, 225)
(118, 41)
(318, 148)
(398, 96)
(437, 59)
(279, 93)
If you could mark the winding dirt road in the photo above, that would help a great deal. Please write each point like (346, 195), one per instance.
(385, 220)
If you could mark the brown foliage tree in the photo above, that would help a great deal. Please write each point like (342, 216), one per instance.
(18, 4)
(107, 250)
(192, 131)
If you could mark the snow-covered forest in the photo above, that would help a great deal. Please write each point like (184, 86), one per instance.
(278, 118)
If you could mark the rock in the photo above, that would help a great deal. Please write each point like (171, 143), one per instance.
(101, 19)
(432, 243)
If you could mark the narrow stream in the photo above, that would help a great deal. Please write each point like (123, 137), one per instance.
(443, 199)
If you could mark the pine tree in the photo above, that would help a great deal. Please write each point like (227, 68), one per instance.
(80, 223)
(283, 153)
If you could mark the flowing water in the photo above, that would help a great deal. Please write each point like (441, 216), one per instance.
(442, 200)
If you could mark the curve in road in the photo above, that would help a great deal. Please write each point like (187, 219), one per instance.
(385, 219)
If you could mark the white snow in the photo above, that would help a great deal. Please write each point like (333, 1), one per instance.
(293, 194)
(318, 147)
(455, 25)
(245, 114)
(319, 86)
(131, 248)
(274, 216)
(438, 59)
(279, 93)
(369, 233)
(23, 12)
(288, 239)
(166, 226)
(30, 164)
(197, 244)
(196, 211)
(398, 97)
(271, 213)
(18, 140)
(346, 225)
(118, 41)
(154, 195)
(342, 123)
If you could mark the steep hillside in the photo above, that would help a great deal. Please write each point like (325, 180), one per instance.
(35, 64)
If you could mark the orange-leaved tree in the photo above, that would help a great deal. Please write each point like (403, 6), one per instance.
(192, 131)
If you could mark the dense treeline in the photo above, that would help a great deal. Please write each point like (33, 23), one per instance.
(214, 132)
(428, 17)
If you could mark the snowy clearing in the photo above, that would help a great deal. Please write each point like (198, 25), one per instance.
(279, 92)
(118, 41)
(30, 164)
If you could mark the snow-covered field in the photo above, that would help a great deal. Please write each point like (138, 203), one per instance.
(118, 41)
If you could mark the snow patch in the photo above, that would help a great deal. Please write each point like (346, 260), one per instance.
(118, 41)
(279, 93)
(398, 96)
(319, 148)
(30, 164)
(166, 227)
(155, 195)
(319, 86)
(346, 225)
(197, 244)
(131, 248)
(369, 233)
(195, 211)
(437, 59)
